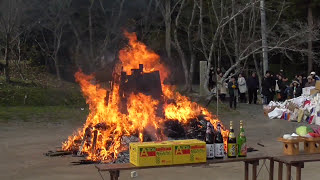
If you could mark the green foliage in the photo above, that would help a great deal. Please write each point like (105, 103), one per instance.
(12, 95)
(49, 113)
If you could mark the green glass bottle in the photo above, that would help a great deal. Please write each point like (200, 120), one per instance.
(232, 143)
(242, 142)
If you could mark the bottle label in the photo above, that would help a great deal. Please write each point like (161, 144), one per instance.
(219, 150)
(210, 150)
(232, 149)
(231, 135)
(243, 149)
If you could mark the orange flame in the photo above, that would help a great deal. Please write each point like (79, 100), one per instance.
(102, 136)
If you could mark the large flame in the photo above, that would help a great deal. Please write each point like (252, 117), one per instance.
(106, 127)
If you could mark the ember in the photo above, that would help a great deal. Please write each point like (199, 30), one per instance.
(130, 112)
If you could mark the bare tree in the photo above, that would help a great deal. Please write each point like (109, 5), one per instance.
(53, 28)
(179, 48)
(310, 26)
(166, 11)
(11, 12)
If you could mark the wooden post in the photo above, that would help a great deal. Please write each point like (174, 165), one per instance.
(203, 69)
(280, 171)
(246, 171)
(254, 170)
(298, 173)
(114, 175)
(271, 169)
(288, 171)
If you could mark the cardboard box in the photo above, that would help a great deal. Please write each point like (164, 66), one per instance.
(151, 153)
(306, 90)
(189, 151)
(318, 85)
(314, 91)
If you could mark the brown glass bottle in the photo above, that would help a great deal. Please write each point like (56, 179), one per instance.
(232, 143)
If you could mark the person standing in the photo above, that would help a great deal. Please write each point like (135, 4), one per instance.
(267, 88)
(294, 90)
(314, 76)
(242, 88)
(279, 88)
(233, 92)
(253, 86)
(310, 82)
(222, 87)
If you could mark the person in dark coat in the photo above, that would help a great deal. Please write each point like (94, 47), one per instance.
(294, 90)
(233, 92)
(253, 86)
(280, 88)
(267, 85)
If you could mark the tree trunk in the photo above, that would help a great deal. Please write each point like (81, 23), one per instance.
(78, 45)
(192, 56)
(56, 64)
(18, 61)
(258, 71)
(264, 37)
(310, 25)
(7, 57)
(168, 26)
(180, 51)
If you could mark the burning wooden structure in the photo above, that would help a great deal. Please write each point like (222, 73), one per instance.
(138, 107)
(140, 82)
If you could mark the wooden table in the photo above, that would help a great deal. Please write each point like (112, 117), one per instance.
(296, 161)
(114, 169)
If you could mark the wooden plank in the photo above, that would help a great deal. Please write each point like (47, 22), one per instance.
(93, 148)
(298, 158)
(291, 140)
(246, 171)
(280, 169)
(288, 171)
(127, 166)
(271, 169)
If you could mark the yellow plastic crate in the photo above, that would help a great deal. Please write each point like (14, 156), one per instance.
(151, 153)
(189, 151)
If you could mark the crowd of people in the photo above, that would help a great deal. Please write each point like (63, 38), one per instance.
(278, 87)
(274, 87)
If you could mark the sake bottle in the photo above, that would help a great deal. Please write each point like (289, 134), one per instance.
(232, 143)
(218, 144)
(209, 141)
(242, 142)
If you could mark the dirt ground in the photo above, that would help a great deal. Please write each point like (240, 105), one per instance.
(23, 143)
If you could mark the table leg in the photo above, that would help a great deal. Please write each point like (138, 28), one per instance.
(288, 171)
(246, 171)
(271, 169)
(254, 170)
(114, 175)
(298, 173)
(280, 171)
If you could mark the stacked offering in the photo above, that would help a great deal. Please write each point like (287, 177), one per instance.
(305, 108)
(309, 136)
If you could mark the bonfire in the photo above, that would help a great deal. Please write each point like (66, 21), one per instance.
(108, 130)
